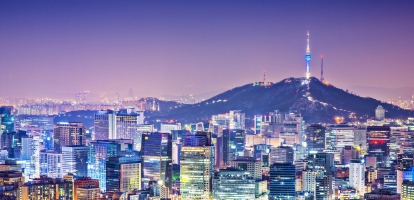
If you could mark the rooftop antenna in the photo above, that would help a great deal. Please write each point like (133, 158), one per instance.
(264, 76)
(322, 79)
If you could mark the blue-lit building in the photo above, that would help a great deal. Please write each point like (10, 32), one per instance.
(99, 152)
(156, 159)
(75, 160)
(233, 144)
(282, 181)
(6, 119)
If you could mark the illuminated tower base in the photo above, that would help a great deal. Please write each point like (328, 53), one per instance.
(307, 75)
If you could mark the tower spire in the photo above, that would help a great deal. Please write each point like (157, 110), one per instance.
(307, 56)
(322, 79)
(264, 76)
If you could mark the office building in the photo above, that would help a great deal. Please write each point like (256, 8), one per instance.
(46, 188)
(6, 119)
(378, 138)
(407, 192)
(281, 154)
(156, 159)
(357, 176)
(348, 153)
(10, 182)
(379, 113)
(233, 144)
(31, 154)
(75, 160)
(123, 174)
(197, 166)
(84, 182)
(320, 162)
(315, 137)
(253, 166)
(88, 192)
(99, 152)
(104, 125)
(235, 119)
(233, 184)
(68, 134)
(51, 164)
(324, 187)
(282, 181)
(167, 128)
(338, 136)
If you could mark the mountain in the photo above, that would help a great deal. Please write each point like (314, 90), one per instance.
(383, 94)
(318, 102)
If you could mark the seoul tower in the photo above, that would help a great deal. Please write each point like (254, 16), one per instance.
(307, 57)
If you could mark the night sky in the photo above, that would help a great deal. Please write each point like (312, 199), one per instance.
(57, 48)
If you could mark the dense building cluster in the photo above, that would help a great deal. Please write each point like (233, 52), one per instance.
(279, 157)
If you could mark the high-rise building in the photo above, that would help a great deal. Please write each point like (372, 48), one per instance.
(197, 167)
(68, 134)
(104, 125)
(46, 188)
(324, 187)
(281, 154)
(253, 166)
(321, 162)
(348, 153)
(282, 181)
(123, 174)
(357, 176)
(380, 113)
(31, 153)
(10, 182)
(378, 138)
(98, 154)
(233, 184)
(6, 119)
(315, 137)
(51, 164)
(407, 192)
(235, 119)
(338, 136)
(75, 160)
(156, 159)
(292, 130)
(88, 192)
(233, 144)
(84, 182)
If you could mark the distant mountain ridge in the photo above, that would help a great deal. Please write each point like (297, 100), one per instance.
(318, 102)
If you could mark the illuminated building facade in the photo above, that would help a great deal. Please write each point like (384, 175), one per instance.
(104, 125)
(84, 182)
(233, 184)
(88, 192)
(235, 119)
(51, 164)
(407, 190)
(315, 137)
(357, 176)
(156, 159)
(6, 119)
(281, 154)
(46, 188)
(380, 113)
(378, 147)
(98, 154)
(123, 174)
(68, 134)
(282, 181)
(75, 160)
(233, 144)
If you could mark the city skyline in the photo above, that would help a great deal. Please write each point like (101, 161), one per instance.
(167, 48)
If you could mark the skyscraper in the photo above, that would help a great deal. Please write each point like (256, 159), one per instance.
(98, 154)
(357, 176)
(233, 144)
(123, 174)
(315, 137)
(378, 138)
(104, 125)
(197, 168)
(281, 154)
(68, 134)
(282, 181)
(75, 160)
(156, 159)
(6, 119)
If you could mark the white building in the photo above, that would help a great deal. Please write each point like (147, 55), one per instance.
(167, 128)
(357, 176)
(51, 164)
(380, 113)
(235, 119)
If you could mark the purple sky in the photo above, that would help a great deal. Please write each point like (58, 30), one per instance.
(57, 48)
